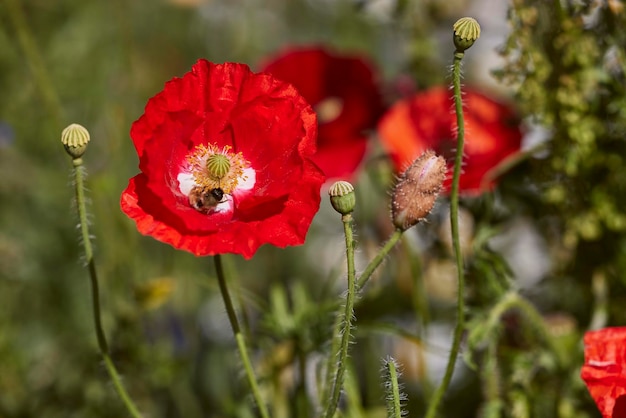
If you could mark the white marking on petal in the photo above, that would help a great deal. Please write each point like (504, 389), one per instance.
(186, 182)
(226, 206)
(247, 179)
(596, 363)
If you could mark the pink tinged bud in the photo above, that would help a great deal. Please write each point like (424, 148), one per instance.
(416, 191)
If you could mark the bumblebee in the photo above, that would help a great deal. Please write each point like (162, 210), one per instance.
(204, 199)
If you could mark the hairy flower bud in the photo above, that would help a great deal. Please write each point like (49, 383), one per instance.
(466, 32)
(417, 189)
(342, 197)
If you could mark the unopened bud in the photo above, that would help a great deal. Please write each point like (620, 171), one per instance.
(75, 139)
(342, 197)
(416, 192)
(466, 32)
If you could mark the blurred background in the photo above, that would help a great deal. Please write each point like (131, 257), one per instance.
(98, 62)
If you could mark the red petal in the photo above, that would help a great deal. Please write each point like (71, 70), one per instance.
(351, 152)
(264, 119)
(320, 75)
(604, 370)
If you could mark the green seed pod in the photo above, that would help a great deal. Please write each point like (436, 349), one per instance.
(75, 139)
(342, 197)
(466, 32)
(218, 166)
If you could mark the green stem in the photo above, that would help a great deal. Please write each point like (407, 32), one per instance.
(346, 332)
(600, 292)
(454, 223)
(514, 301)
(119, 386)
(373, 265)
(239, 337)
(490, 374)
(302, 401)
(79, 182)
(394, 408)
(35, 62)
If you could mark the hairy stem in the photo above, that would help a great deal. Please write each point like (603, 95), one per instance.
(454, 223)
(346, 330)
(394, 407)
(79, 182)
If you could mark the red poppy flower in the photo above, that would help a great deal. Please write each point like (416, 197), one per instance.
(225, 160)
(427, 121)
(604, 370)
(343, 90)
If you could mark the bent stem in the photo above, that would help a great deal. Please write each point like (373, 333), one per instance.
(513, 300)
(79, 180)
(239, 337)
(346, 330)
(454, 223)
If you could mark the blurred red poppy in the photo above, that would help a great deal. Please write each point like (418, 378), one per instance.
(344, 92)
(604, 370)
(225, 160)
(427, 121)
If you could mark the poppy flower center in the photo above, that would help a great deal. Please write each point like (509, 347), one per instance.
(211, 176)
(329, 109)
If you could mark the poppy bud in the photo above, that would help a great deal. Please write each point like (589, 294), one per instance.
(342, 197)
(466, 31)
(75, 139)
(414, 196)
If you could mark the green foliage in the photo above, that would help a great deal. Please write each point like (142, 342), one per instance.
(567, 67)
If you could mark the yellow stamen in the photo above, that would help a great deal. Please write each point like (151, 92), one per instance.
(213, 167)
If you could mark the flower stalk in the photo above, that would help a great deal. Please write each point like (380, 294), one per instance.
(239, 337)
(392, 389)
(75, 139)
(343, 200)
(346, 330)
(462, 41)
